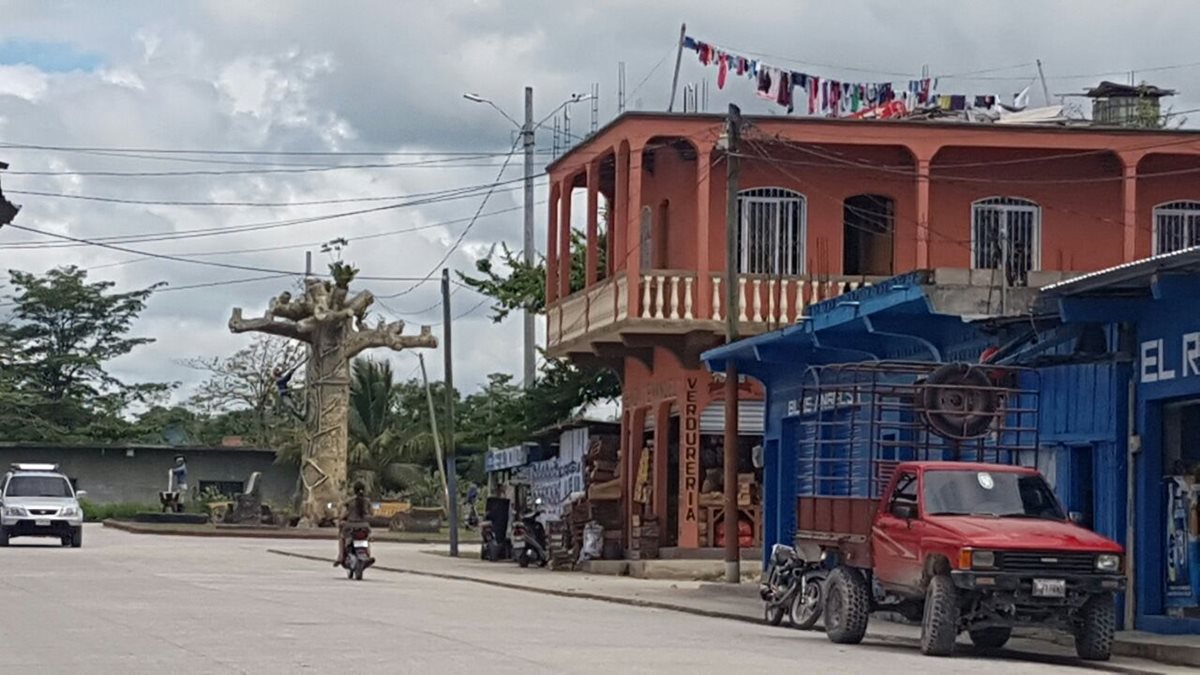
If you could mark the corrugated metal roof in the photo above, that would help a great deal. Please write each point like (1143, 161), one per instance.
(1128, 277)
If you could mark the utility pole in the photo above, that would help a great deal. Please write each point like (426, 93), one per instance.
(678, 60)
(1042, 75)
(433, 429)
(529, 370)
(733, 554)
(451, 461)
(307, 264)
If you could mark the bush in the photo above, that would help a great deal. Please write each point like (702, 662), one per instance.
(93, 512)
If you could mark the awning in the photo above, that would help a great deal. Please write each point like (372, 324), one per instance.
(895, 319)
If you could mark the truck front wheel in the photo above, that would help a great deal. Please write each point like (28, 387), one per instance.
(847, 606)
(1097, 620)
(939, 626)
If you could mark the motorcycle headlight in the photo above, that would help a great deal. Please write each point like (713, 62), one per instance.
(1108, 562)
(15, 511)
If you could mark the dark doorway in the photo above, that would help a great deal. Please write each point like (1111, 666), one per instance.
(868, 229)
(671, 537)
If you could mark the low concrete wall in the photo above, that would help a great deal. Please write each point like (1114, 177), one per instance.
(137, 474)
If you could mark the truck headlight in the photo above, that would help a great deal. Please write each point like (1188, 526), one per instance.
(69, 512)
(15, 511)
(1108, 562)
(971, 559)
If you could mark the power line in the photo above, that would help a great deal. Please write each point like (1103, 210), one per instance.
(228, 282)
(425, 163)
(163, 256)
(170, 235)
(247, 152)
(458, 242)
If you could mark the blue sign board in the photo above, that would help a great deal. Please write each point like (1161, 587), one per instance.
(508, 458)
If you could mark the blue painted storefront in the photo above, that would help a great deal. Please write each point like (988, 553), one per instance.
(1084, 417)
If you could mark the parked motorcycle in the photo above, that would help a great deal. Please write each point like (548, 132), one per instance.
(357, 556)
(529, 537)
(793, 588)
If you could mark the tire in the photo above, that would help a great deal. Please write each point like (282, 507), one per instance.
(807, 604)
(4, 536)
(77, 538)
(991, 638)
(1097, 623)
(358, 570)
(847, 606)
(350, 573)
(773, 614)
(939, 626)
(523, 559)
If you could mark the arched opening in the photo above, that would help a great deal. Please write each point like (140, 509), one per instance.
(868, 224)
(1006, 233)
(772, 231)
(1176, 226)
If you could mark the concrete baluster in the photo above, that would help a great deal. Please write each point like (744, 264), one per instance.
(687, 299)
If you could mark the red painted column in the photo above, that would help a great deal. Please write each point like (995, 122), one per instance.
(593, 218)
(1129, 204)
(923, 213)
(662, 439)
(704, 283)
(552, 248)
(619, 212)
(564, 237)
(632, 254)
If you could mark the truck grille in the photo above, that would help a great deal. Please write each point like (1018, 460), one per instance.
(1046, 561)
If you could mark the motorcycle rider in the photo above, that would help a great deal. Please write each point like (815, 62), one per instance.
(356, 513)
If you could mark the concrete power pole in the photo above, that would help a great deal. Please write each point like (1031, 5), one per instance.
(529, 370)
(448, 379)
(733, 554)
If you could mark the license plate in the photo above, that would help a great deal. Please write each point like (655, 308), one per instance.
(1049, 588)
(42, 523)
(361, 544)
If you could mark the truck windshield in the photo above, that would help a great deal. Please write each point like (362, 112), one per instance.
(985, 493)
(38, 486)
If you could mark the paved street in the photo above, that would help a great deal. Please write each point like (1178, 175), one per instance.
(146, 604)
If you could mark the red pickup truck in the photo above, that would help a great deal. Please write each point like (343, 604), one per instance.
(973, 547)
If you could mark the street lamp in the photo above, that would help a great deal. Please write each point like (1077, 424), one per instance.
(527, 136)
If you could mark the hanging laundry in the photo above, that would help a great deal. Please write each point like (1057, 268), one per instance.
(784, 98)
(958, 102)
(689, 43)
(766, 81)
(741, 65)
(814, 95)
(943, 102)
(723, 72)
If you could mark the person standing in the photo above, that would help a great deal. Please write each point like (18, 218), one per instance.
(179, 478)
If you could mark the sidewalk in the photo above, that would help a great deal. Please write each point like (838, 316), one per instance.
(1133, 651)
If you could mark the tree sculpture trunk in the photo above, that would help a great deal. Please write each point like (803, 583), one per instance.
(331, 323)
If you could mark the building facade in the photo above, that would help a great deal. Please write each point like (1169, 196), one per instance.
(136, 473)
(824, 207)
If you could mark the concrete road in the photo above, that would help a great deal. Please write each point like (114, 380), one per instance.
(144, 604)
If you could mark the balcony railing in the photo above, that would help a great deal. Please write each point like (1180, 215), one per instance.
(674, 296)
(778, 300)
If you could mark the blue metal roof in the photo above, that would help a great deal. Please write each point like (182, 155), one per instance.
(892, 319)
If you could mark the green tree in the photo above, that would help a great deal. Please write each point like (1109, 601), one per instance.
(241, 397)
(383, 445)
(562, 387)
(61, 336)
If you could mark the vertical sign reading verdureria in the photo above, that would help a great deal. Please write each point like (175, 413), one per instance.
(690, 445)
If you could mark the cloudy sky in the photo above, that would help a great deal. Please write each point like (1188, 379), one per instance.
(100, 85)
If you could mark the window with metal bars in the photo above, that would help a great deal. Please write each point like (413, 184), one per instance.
(1176, 226)
(772, 228)
(1006, 233)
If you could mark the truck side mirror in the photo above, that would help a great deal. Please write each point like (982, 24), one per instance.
(904, 510)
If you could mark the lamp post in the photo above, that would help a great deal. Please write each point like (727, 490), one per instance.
(529, 364)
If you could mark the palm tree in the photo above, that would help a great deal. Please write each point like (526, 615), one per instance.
(382, 446)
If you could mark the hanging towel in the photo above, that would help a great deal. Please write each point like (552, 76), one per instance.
(814, 95)
(765, 82)
(776, 85)
(723, 72)
(785, 91)
(944, 102)
(689, 42)
(958, 102)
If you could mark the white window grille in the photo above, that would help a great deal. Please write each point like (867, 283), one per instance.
(1006, 233)
(1176, 226)
(773, 226)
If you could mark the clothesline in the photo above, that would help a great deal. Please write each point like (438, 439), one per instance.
(830, 97)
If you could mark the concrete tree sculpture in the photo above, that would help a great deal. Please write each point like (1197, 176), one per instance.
(332, 323)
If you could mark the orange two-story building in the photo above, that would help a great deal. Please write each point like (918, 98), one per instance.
(824, 206)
